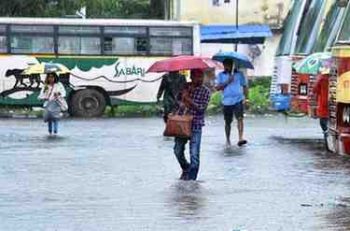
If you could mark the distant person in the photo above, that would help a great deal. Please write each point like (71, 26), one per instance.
(235, 94)
(194, 98)
(52, 92)
(321, 94)
(170, 87)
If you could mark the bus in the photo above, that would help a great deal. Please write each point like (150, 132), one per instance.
(314, 36)
(338, 137)
(107, 58)
(279, 91)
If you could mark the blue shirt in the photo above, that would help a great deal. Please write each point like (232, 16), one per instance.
(233, 93)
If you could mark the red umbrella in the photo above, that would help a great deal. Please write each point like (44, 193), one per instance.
(180, 63)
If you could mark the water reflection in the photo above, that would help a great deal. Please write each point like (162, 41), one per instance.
(113, 172)
(339, 217)
(188, 198)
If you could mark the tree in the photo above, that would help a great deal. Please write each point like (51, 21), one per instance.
(38, 8)
(95, 8)
(117, 8)
(157, 9)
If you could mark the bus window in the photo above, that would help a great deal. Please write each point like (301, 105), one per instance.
(79, 45)
(3, 44)
(2, 28)
(3, 40)
(125, 45)
(330, 28)
(168, 31)
(125, 40)
(83, 30)
(29, 44)
(344, 35)
(170, 46)
(286, 44)
(79, 40)
(170, 41)
(310, 27)
(130, 30)
(31, 29)
(29, 39)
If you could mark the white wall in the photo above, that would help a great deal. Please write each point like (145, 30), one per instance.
(250, 11)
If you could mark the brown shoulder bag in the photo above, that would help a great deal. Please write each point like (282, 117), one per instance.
(179, 126)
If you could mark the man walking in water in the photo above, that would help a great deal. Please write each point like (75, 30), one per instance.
(235, 93)
(171, 86)
(195, 99)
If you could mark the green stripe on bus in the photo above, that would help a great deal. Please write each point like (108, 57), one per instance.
(83, 63)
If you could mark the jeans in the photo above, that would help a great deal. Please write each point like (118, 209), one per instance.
(52, 125)
(191, 168)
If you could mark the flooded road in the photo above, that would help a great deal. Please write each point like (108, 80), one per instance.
(121, 174)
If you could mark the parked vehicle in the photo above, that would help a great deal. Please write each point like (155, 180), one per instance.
(301, 31)
(107, 58)
(339, 91)
(302, 84)
(281, 78)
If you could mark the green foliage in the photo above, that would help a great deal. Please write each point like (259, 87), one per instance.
(259, 90)
(136, 110)
(118, 8)
(265, 82)
(94, 8)
(215, 103)
(39, 8)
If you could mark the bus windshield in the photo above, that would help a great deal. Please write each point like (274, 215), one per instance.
(291, 21)
(344, 36)
(310, 26)
(330, 28)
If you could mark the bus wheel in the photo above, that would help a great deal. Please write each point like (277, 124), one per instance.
(88, 103)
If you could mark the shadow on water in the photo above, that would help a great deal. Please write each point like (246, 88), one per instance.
(314, 144)
(334, 169)
(339, 217)
(54, 138)
(233, 151)
(188, 198)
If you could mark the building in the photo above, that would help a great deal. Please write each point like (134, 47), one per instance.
(211, 12)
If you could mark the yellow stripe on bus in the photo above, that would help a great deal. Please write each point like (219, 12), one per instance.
(341, 52)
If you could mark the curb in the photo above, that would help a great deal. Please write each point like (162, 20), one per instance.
(18, 116)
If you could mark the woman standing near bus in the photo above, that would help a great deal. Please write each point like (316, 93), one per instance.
(53, 93)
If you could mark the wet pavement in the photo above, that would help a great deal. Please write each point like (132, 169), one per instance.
(121, 174)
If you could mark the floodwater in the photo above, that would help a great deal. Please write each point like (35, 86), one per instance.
(121, 174)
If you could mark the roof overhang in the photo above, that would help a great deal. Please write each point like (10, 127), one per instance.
(243, 34)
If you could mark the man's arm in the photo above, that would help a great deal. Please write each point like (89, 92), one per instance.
(202, 104)
(246, 91)
(244, 84)
(220, 86)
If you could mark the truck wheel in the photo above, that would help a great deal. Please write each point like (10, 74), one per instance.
(88, 103)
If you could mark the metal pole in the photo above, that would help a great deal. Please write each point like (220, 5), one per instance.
(237, 3)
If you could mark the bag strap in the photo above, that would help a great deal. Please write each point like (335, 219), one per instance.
(51, 91)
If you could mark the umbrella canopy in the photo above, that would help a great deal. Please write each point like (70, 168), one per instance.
(238, 58)
(180, 63)
(44, 68)
(314, 63)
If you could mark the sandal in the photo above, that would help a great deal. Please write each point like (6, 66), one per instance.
(242, 142)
